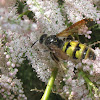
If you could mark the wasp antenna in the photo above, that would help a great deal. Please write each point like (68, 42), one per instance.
(34, 43)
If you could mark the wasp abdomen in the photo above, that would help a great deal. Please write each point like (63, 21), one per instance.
(77, 50)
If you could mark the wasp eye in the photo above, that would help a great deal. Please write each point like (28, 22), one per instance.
(42, 38)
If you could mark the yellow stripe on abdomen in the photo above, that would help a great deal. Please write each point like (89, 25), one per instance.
(80, 52)
(69, 47)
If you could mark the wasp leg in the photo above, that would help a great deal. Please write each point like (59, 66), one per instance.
(54, 57)
(93, 44)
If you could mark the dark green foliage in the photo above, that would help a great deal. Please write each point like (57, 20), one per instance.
(95, 36)
(20, 6)
(23, 10)
(30, 81)
(1, 98)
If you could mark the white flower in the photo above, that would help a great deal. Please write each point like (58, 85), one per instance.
(76, 9)
(48, 16)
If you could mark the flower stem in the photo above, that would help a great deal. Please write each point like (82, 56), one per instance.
(90, 84)
(24, 13)
(49, 85)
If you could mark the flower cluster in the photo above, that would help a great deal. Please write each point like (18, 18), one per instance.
(76, 9)
(10, 86)
(48, 16)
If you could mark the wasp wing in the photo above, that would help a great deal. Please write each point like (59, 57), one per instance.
(75, 27)
(58, 52)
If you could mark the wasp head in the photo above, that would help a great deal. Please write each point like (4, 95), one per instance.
(42, 38)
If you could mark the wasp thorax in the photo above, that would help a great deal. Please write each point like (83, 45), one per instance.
(42, 38)
(53, 39)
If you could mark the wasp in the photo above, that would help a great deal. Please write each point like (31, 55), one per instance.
(64, 49)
